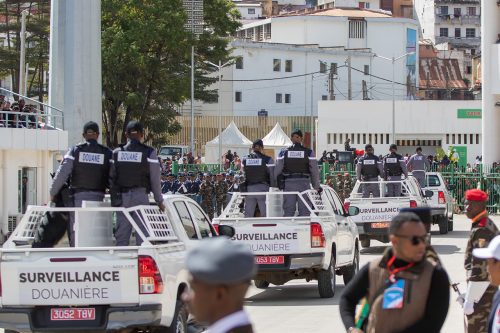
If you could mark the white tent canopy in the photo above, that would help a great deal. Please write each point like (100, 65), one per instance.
(276, 140)
(232, 139)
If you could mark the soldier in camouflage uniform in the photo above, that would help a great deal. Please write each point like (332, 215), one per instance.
(339, 186)
(220, 193)
(347, 185)
(206, 192)
(478, 300)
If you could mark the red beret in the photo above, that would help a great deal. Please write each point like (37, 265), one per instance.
(476, 195)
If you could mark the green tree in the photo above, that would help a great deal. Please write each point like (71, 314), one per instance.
(146, 62)
(37, 43)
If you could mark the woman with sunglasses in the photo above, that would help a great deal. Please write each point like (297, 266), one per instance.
(403, 291)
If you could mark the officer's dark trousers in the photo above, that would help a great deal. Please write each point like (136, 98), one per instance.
(135, 197)
(78, 198)
(372, 188)
(420, 175)
(251, 201)
(290, 201)
(393, 189)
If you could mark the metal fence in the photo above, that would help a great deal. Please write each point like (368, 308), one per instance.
(461, 179)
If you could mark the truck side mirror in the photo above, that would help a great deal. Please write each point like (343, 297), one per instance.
(353, 211)
(226, 230)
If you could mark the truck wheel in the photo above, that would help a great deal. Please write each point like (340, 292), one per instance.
(261, 284)
(450, 223)
(351, 270)
(443, 224)
(327, 280)
(365, 242)
(179, 323)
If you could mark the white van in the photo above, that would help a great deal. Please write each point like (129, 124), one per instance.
(170, 151)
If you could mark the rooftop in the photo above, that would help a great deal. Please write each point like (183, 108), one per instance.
(339, 12)
(436, 73)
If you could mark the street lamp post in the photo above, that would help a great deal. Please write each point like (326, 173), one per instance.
(22, 60)
(393, 60)
(219, 100)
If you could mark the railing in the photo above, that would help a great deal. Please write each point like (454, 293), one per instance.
(33, 120)
(461, 179)
(52, 117)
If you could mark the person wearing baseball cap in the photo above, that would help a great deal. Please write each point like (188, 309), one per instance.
(369, 169)
(220, 273)
(478, 299)
(135, 172)
(87, 166)
(258, 169)
(492, 255)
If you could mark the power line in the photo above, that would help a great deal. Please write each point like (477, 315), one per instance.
(279, 78)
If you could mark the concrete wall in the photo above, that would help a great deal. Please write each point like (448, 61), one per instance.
(415, 120)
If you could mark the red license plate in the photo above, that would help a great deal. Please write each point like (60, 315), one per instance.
(72, 314)
(269, 260)
(380, 225)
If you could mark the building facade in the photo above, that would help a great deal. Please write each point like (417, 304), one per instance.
(456, 23)
(287, 64)
(429, 124)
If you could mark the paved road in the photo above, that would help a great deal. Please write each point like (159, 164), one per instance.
(296, 306)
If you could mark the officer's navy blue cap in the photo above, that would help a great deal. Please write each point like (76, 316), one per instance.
(424, 213)
(134, 126)
(220, 260)
(393, 146)
(258, 142)
(90, 126)
(298, 132)
(368, 146)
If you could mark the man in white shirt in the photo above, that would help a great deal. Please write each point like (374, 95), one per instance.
(492, 254)
(220, 274)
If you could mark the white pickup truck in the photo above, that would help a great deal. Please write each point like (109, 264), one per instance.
(376, 213)
(441, 203)
(96, 286)
(315, 247)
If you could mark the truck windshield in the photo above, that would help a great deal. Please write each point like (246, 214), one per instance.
(170, 151)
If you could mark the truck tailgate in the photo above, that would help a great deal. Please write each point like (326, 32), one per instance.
(378, 210)
(274, 235)
(76, 277)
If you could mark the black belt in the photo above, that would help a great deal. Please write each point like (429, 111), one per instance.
(297, 176)
(128, 189)
(265, 183)
(78, 190)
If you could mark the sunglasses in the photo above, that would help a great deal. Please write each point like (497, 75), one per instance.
(415, 240)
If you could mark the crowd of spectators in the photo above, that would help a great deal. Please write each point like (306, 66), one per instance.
(18, 114)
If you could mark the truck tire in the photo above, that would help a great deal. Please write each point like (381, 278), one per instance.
(443, 224)
(351, 270)
(365, 242)
(450, 223)
(327, 280)
(261, 284)
(179, 323)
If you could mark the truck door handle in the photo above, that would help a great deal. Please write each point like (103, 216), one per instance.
(127, 255)
(7, 257)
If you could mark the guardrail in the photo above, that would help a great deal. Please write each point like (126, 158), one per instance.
(51, 116)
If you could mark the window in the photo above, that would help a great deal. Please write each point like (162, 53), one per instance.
(322, 67)
(239, 63)
(459, 139)
(457, 12)
(443, 10)
(470, 32)
(443, 32)
(185, 218)
(465, 139)
(279, 98)
(201, 221)
(364, 139)
(471, 11)
(367, 70)
(362, 5)
(453, 139)
(387, 138)
(471, 138)
(473, 51)
(370, 138)
(356, 29)
(329, 138)
(277, 65)
(433, 180)
(288, 98)
(477, 139)
(447, 139)
(324, 97)
(237, 96)
(367, 5)
(288, 66)
(468, 70)
(251, 11)
(359, 139)
(334, 138)
(458, 32)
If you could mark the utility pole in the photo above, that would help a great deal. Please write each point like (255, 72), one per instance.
(331, 86)
(22, 60)
(349, 78)
(365, 90)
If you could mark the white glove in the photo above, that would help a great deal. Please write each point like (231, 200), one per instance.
(461, 299)
(468, 308)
